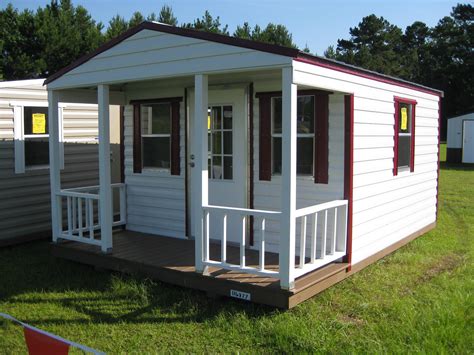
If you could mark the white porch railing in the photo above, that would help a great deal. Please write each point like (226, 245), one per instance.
(260, 219)
(327, 237)
(325, 242)
(83, 213)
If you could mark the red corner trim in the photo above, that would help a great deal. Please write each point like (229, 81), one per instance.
(349, 170)
(439, 147)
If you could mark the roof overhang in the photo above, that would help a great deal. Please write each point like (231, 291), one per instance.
(249, 44)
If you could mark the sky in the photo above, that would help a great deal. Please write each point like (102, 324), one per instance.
(314, 23)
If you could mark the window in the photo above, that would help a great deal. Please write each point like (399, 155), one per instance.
(305, 135)
(220, 159)
(31, 135)
(156, 135)
(36, 136)
(404, 135)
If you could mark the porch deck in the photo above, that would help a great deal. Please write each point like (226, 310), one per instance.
(171, 260)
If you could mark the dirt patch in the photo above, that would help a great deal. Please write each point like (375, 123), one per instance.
(351, 319)
(446, 264)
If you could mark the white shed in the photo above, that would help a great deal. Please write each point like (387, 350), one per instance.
(251, 170)
(25, 211)
(460, 144)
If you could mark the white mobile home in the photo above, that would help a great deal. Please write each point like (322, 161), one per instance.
(251, 170)
(25, 208)
(460, 144)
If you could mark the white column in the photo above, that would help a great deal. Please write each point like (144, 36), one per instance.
(288, 180)
(105, 189)
(200, 185)
(54, 164)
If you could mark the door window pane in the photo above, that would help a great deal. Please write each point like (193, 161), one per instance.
(220, 138)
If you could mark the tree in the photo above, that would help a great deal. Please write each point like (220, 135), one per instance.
(136, 19)
(274, 34)
(167, 16)
(208, 24)
(117, 25)
(374, 44)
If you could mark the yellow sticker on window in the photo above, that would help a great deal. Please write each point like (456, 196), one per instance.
(209, 122)
(39, 123)
(404, 119)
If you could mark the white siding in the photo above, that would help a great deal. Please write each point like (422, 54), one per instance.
(386, 208)
(267, 193)
(25, 198)
(455, 130)
(151, 54)
(155, 200)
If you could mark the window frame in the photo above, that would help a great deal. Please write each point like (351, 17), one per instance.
(412, 104)
(298, 135)
(210, 147)
(19, 135)
(157, 135)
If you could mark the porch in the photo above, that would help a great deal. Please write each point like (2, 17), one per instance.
(171, 260)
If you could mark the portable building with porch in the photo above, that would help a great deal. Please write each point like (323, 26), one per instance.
(460, 144)
(25, 210)
(251, 170)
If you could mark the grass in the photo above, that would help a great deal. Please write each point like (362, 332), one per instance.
(419, 299)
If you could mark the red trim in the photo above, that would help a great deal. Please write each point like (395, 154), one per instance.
(251, 161)
(349, 170)
(321, 149)
(175, 146)
(122, 144)
(137, 140)
(397, 101)
(265, 140)
(439, 147)
(413, 134)
(364, 73)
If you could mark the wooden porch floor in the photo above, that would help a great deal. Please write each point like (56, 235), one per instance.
(171, 260)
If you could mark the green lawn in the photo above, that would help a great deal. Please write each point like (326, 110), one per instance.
(419, 299)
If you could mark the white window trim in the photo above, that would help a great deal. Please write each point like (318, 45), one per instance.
(19, 136)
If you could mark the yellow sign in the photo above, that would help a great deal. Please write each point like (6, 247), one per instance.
(39, 123)
(404, 121)
(209, 122)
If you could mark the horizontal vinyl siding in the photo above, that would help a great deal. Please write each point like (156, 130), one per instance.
(267, 194)
(151, 54)
(155, 200)
(25, 198)
(386, 208)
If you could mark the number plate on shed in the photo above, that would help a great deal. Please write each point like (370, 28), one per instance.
(240, 295)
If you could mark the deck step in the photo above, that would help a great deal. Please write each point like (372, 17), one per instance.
(319, 275)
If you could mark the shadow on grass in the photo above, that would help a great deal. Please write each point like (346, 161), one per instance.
(455, 166)
(31, 277)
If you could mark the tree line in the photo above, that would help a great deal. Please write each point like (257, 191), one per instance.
(38, 43)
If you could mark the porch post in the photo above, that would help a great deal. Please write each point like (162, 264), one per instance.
(54, 164)
(288, 180)
(105, 189)
(200, 185)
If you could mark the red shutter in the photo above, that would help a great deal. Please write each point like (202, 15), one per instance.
(321, 150)
(137, 140)
(265, 137)
(175, 158)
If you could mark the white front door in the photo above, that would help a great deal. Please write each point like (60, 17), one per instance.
(468, 142)
(227, 158)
